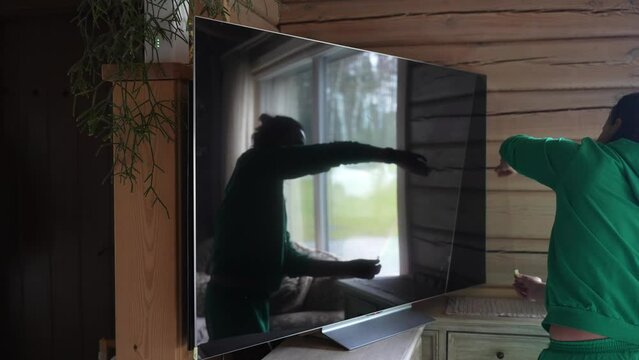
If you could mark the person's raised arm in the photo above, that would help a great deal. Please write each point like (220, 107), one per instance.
(542, 159)
(359, 268)
(296, 161)
(296, 264)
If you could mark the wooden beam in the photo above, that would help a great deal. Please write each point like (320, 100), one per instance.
(148, 309)
(571, 124)
(525, 102)
(487, 27)
(514, 215)
(497, 245)
(538, 65)
(298, 11)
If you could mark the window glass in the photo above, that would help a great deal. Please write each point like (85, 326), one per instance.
(361, 105)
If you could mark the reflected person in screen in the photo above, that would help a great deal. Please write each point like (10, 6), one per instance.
(592, 290)
(252, 251)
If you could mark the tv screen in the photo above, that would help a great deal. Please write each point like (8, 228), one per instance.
(266, 198)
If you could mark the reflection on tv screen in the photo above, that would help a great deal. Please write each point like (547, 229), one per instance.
(330, 182)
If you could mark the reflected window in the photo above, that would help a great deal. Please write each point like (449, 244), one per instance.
(290, 94)
(351, 211)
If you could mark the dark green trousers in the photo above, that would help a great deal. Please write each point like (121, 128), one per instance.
(235, 311)
(600, 349)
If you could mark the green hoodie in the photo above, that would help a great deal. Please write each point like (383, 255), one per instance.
(252, 246)
(593, 256)
(251, 241)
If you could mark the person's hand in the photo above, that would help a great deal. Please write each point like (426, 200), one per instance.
(365, 269)
(530, 287)
(504, 169)
(412, 162)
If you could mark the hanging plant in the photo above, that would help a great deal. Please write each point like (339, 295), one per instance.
(125, 33)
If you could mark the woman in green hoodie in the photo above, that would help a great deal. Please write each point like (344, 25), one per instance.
(592, 290)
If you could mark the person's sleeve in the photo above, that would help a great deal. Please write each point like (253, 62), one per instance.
(296, 161)
(295, 263)
(541, 159)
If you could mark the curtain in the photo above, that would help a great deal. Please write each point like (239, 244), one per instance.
(289, 94)
(238, 109)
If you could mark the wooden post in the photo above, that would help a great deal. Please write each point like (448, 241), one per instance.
(148, 308)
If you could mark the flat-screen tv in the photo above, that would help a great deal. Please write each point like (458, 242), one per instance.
(252, 230)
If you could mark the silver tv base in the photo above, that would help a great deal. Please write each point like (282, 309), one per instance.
(367, 329)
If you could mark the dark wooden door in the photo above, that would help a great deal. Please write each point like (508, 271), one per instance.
(57, 232)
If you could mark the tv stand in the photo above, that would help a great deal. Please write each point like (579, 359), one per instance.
(403, 346)
(364, 330)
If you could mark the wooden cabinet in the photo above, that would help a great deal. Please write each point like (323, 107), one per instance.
(430, 345)
(460, 337)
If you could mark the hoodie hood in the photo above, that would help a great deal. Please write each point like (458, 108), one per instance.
(628, 152)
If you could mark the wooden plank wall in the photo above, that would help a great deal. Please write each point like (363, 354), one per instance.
(57, 223)
(554, 68)
(262, 14)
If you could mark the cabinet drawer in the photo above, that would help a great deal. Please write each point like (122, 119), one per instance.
(472, 346)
